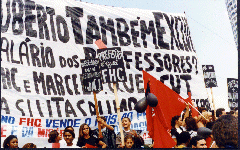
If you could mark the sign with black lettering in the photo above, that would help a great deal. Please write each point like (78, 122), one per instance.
(209, 76)
(111, 65)
(91, 75)
(232, 92)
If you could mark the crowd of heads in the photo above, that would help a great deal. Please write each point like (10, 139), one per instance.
(208, 130)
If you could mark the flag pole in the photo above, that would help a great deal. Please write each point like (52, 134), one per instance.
(196, 109)
(97, 113)
(118, 113)
(213, 103)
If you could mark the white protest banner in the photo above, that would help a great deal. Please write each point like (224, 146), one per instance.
(43, 42)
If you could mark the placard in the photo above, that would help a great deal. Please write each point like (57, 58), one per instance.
(209, 76)
(232, 92)
(91, 75)
(111, 65)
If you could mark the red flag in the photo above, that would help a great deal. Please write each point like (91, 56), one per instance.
(159, 118)
(161, 137)
(170, 103)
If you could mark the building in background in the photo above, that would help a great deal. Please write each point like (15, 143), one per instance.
(232, 14)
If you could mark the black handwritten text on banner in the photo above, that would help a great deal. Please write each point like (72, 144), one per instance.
(43, 42)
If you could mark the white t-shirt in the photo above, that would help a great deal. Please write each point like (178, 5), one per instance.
(192, 133)
(63, 144)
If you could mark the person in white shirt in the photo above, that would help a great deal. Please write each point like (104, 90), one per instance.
(69, 137)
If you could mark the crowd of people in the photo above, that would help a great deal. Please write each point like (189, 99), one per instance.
(207, 130)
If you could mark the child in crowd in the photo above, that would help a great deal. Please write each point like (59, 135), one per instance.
(108, 134)
(69, 137)
(29, 145)
(126, 123)
(129, 141)
(86, 138)
(54, 137)
(10, 142)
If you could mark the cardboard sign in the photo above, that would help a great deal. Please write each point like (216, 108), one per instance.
(111, 65)
(232, 92)
(209, 76)
(91, 75)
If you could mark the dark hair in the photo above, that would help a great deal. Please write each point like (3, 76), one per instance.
(69, 127)
(81, 131)
(128, 136)
(103, 118)
(232, 112)
(219, 111)
(173, 121)
(183, 137)
(52, 136)
(127, 118)
(194, 140)
(70, 131)
(191, 124)
(225, 131)
(6, 142)
(201, 109)
(29, 145)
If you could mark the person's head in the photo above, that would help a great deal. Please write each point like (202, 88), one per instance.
(54, 137)
(104, 119)
(68, 136)
(225, 131)
(202, 109)
(198, 142)
(183, 138)
(236, 113)
(126, 122)
(176, 120)
(84, 130)
(129, 141)
(191, 124)
(10, 142)
(29, 145)
(220, 112)
(69, 128)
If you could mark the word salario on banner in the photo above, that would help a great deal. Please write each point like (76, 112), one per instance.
(42, 45)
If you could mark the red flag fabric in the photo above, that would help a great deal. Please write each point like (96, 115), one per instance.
(161, 137)
(159, 118)
(170, 103)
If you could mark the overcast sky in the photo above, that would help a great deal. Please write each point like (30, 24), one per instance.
(211, 34)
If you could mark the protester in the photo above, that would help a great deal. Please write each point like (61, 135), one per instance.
(220, 112)
(69, 137)
(29, 145)
(86, 138)
(202, 109)
(191, 126)
(108, 134)
(129, 142)
(54, 137)
(225, 132)
(10, 142)
(138, 140)
(198, 142)
(236, 112)
(183, 139)
(63, 142)
(177, 127)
